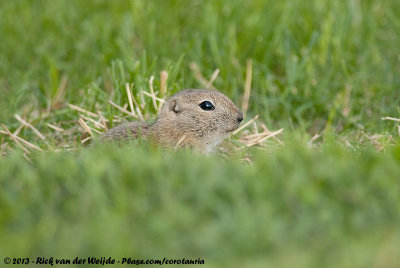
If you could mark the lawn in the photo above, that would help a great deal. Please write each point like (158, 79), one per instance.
(322, 189)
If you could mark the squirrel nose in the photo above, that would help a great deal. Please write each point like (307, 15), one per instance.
(240, 117)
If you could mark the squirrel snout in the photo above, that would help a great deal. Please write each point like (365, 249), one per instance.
(240, 117)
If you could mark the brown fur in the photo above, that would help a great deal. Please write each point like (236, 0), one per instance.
(181, 116)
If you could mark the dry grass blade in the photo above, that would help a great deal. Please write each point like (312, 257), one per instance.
(153, 96)
(245, 125)
(391, 118)
(137, 108)
(16, 132)
(346, 101)
(122, 109)
(256, 136)
(3, 144)
(316, 136)
(61, 90)
(260, 140)
(212, 79)
(97, 131)
(247, 159)
(163, 87)
(86, 139)
(15, 139)
(97, 124)
(142, 102)
(373, 138)
(140, 114)
(180, 141)
(59, 129)
(274, 137)
(79, 109)
(129, 93)
(27, 143)
(22, 121)
(255, 128)
(163, 78)
(103, 120)
(85, 126)
(27, 158)
(398, 128)
(199, 77)
(247, 87)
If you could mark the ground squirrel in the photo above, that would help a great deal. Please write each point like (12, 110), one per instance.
(195, 118)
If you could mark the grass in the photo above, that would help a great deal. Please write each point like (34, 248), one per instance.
(322, 69)
(145, 203)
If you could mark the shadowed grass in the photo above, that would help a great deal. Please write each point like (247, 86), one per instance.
(135, 201)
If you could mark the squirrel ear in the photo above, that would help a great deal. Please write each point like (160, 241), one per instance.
(173, 106)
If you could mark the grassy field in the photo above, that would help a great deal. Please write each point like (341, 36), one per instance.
(324, 192)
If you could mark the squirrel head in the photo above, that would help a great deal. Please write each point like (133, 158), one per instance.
(205, 117)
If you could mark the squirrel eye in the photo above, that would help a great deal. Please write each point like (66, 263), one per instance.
(207, 106)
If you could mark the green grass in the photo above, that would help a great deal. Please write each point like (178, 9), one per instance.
(139, 202)
(327, 67)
